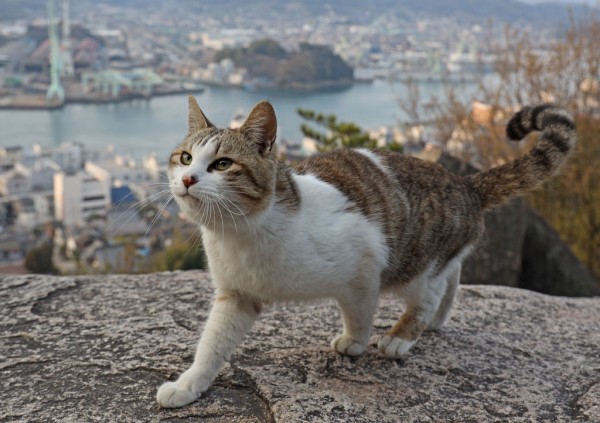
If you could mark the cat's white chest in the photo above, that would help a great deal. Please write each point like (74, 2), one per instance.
(309, 253)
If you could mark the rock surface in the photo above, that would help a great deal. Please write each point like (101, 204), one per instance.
(96, 348)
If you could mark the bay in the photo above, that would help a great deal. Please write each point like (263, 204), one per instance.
(156, 125)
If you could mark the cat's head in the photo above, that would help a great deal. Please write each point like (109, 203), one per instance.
(225, 175)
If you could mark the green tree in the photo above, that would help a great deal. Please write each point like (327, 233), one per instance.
(185, 258)
(329, 65)
(39, 259)
(339, 134)
(184, 253)
(300, 68)
(311, 64)
(267, 47)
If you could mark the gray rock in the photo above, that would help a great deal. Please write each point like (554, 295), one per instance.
(563, 273)
(520, 249)
(499, 253)
(96, 348)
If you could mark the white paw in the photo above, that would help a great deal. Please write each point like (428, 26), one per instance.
(346, 345)
(171, 395)
(393, 346)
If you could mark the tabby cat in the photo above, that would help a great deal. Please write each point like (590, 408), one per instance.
(344, 225)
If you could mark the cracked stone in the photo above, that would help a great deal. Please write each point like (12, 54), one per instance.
(97, 348)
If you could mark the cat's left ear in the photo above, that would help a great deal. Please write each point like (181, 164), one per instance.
(196, 119)
(261, 127)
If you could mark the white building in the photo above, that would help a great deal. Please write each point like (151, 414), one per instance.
(34, 210)
(69, 156)
(310, 146)
(42, 175)
(10, 155)
(223, 72)
(119, 171)
(16, 182)
(228, 38)
(155, 167)
(79, 195)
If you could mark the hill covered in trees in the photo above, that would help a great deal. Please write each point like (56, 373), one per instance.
(311, 66)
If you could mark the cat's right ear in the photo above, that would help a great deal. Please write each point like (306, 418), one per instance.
(261, 126)
(196, 119)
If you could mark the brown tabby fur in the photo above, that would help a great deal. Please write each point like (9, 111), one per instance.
(427, 214)
(343, 225)
(430, 214)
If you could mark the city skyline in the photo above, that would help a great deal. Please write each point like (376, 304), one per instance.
(106, 54)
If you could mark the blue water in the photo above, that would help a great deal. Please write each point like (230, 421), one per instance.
(157, 125)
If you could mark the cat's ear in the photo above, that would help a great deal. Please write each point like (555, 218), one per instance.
(196, 119)
(260, 127)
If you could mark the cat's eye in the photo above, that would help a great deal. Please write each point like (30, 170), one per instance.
(186, 158)
(222, 164)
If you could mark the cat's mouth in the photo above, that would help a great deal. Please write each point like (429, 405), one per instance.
(186, 196)
(195, 199)
(191, 196)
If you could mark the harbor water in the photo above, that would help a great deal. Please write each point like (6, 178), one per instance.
(156, 125)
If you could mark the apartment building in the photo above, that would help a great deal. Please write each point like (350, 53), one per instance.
(79, 195)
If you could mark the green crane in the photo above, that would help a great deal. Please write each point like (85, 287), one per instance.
(56, 93)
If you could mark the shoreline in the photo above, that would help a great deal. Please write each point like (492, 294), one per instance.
(39, 102)
(296, 87)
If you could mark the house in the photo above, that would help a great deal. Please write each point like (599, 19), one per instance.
(15, 182)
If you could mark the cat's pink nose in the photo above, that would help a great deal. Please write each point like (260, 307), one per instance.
(189, 180)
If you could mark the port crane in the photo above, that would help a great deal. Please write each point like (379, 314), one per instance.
(56, 92)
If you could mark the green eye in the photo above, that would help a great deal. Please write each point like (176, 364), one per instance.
(222, 164)
(186, 158)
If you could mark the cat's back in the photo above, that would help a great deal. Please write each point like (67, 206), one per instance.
(425, 212)
(370, 177)
(360, 174)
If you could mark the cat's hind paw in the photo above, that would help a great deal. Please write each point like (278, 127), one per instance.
(394, 346)
(348, 346)
(170, 395)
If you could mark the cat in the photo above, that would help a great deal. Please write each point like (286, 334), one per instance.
(343, 225)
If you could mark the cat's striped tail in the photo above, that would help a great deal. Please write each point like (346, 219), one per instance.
(556, 142)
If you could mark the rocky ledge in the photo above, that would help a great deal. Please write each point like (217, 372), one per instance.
(96, 348)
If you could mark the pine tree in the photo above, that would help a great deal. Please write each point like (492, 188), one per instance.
(339, 134)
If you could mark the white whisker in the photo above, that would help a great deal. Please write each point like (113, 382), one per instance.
(158, 214)
(138, 207)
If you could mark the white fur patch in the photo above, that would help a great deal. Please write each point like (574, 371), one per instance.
(320, 249)
(346, 345)
(394, 347)
(374, 158)
(425, 294)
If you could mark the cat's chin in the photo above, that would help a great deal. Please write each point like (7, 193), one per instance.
(189, 199)
(188, 202)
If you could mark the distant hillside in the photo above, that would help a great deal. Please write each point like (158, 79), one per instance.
(311, 66)
(499, 10)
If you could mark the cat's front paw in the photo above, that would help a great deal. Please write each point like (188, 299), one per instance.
(394, 346)
(172, 395)
(348, 346)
